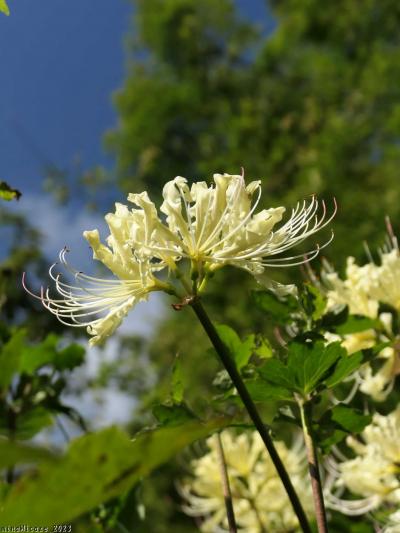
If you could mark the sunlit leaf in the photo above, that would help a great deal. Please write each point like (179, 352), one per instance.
(97, 468)
(177, 382)
(7, 192)
(10, 355)
(240, 351)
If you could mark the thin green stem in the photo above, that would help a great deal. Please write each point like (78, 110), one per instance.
(306, 421)
(230, 514)
(230, 367)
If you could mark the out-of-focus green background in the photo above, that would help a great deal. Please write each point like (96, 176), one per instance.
(308, 100)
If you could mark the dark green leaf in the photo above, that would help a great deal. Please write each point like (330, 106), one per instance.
(69, 358)
(313, 301)
(6, 192)
(345, 366)
(277, 373)
(356, 323)
(350, 419)
(337, 316)
(309, 362)
(337, 423)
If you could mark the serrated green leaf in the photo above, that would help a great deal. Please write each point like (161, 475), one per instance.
(310, 361)
(177, 386)
(344, 368)
(337, 423)
(12, 453)
(97, 468)
(356, 323)
(277, 373)
(240, 351)
(352, 420)
(6, 192)
(280, 310)
(10, 355)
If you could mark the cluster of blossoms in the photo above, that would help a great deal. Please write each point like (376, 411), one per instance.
(210, 226)
(363, 290)
(373, 474)
(253, 481)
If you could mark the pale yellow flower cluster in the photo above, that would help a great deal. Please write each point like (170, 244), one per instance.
(362, 290)
(259, 498)
(210, 226)
(374, 473)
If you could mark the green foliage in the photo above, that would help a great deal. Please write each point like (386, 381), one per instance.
(337, 423)
(306, 367)
(60, 492)
(6, 192)
(240, 351)
(4, 9)
(32, 382)
(177, 382)
(278, 309)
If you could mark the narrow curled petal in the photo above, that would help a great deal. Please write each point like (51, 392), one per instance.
(97, 304)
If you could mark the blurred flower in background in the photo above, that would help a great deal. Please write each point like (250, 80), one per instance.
(373, 473)
(362, 290)
(259, 498)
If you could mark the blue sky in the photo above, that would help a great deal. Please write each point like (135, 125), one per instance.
(60, 63)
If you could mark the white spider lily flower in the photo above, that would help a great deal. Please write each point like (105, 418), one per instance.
(218, 225)
(259, 500)
(362, 290)
(374, 473)
(211, 226)
(81, 303)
